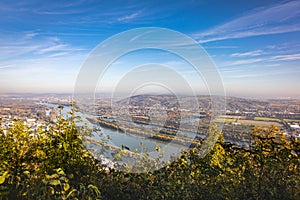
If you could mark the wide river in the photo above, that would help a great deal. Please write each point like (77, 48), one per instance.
(131, 142)
(119, 139)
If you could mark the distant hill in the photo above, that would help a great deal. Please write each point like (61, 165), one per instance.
(204, 101)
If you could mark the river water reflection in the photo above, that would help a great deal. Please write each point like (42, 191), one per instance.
(119, 139)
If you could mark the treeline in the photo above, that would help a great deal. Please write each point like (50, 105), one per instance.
(52, 163)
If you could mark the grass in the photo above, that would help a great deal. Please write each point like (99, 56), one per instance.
(267, 119)
(292, 120)
(226, 120)
(260, 123)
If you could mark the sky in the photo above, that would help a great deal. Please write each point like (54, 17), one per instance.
(254, 44)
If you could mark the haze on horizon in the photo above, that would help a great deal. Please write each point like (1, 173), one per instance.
(255, 45)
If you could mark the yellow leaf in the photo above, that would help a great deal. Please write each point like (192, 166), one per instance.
(66, 187)
(51, 190)
(54, 182)
(2, 178)
(60, 171)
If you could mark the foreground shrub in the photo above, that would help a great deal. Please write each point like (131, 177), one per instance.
(53, 163)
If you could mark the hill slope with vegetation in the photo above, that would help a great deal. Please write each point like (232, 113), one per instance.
(53, 163)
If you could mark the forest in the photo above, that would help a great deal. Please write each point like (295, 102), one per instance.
(53, 163)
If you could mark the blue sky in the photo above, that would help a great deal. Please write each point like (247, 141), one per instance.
(255, 45)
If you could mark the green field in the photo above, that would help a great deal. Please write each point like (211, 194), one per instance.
(267, 119)
(226, 120)
(260, 123)
(292, 120)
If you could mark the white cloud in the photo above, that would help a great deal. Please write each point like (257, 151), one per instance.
(27, 45)
(31, 35)
(220, 47)
(58, 54)
(249, 53)
(140, 35)
(288, 57)
(6, 66)
(11, 49)
(128, 17)
(21, 44)
(57, 47)
(244, 62)
(171, 63)
(273, 65)
(275, 19)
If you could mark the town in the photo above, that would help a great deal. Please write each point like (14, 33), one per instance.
(241, 114)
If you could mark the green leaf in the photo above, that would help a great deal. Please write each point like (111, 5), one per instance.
(51, 190)
(3, 177)
(64, 179)
(118, 157)
(294, 153)
(72, 193)
(54, 182)
(27, 173)
(53, 176)
(60, 172)
(45, 181)
(95, 189)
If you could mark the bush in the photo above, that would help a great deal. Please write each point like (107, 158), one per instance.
(52, 163)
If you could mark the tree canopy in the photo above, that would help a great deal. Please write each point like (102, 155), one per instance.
(53, 163)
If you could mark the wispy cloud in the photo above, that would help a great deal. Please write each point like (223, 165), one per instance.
(64, 12)
(6, 66)
(129, 17)
(31, 35)
(288, 57)
(57, 47)
(279, 18)
(58, 54)
(12, 49)
(265, 75)
(244, 62)
(249, 53)
(16, 50)
(273, 65)
(220, 47)
(246, 75)
(172, 63)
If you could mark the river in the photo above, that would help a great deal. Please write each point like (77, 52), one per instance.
(119, 139)
(131, 142)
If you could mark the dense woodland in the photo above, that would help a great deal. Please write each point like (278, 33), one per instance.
(53, 163)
